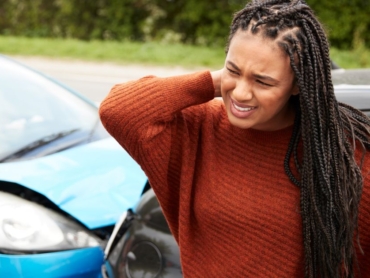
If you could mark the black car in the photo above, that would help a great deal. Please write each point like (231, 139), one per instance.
(142, 245)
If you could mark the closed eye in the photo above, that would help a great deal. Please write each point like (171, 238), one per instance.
(263, 83)
(232, 71)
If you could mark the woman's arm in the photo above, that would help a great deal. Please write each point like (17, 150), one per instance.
(140, 111)
(158, 121)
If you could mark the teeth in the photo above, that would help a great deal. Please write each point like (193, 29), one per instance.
(242, 109)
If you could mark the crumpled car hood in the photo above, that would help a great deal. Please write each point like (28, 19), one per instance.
(95, 182)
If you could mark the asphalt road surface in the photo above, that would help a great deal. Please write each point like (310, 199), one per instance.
(94, 79)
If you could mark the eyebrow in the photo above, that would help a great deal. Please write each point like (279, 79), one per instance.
(259, 76)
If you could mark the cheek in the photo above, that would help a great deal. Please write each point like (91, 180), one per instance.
(273, 100)
(227, 83)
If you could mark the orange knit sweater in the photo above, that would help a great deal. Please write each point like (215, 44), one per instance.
(224, 192)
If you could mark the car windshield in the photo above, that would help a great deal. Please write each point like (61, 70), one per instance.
(33, 107)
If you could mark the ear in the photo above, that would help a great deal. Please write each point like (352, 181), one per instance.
(295, 89)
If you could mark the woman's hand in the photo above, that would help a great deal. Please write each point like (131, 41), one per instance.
(216, 78)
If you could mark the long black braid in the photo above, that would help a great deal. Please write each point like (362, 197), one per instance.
(330, 179)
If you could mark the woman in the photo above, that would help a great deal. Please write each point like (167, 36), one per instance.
(273, 180)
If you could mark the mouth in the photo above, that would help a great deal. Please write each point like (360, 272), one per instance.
(242, 108)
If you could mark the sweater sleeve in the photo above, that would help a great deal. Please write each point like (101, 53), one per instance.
(155, 121)
(138, 110)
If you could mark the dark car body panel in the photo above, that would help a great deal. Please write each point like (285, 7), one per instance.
(147, 247)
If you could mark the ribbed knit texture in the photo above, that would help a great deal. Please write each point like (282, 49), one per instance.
(223, 190)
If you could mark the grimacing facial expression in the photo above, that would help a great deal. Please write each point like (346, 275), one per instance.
(256, 83)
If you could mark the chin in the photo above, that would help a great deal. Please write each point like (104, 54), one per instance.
(242, 124)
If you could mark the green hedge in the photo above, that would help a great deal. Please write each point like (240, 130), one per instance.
(80, 19)
(347, 21)
(191, 21)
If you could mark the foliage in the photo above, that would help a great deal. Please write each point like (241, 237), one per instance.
(82, 19)
(347, 21)
(196, 21)
(199, 22)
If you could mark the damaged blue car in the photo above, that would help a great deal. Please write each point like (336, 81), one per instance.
(64, 181)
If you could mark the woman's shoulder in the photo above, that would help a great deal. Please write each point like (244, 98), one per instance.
(212, 110)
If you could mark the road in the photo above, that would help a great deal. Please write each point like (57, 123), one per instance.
(94, 79)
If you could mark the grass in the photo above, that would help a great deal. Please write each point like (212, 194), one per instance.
(358, 58)
(119, 52)
(152, 53)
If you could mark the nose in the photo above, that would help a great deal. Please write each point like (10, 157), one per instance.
(243, 91)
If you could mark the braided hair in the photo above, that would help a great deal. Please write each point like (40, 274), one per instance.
(330, 179)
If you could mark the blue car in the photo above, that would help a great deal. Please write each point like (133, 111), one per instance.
(64, 181)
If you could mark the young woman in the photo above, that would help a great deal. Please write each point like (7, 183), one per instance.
(272, 181)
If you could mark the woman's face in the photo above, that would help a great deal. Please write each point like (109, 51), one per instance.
(256, 84)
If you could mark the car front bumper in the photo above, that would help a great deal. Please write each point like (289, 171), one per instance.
(79, 263)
